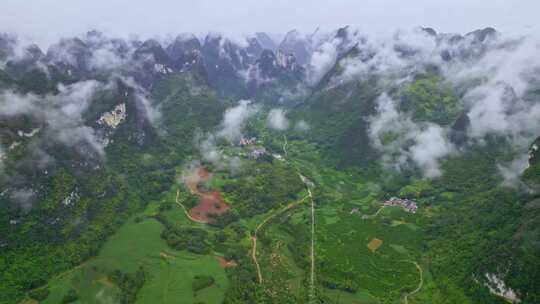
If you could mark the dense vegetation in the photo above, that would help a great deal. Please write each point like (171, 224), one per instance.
(262, 187)
(117, 228)
(129, 284)
(201, 282)
(428, 98)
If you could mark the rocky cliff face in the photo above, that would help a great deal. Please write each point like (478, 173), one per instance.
(294, 43)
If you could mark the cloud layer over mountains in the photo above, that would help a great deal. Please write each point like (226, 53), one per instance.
(60, 115)
(47, 21)
(492, 75)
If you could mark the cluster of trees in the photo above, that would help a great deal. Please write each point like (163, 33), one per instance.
(70, 297)
(194, 240)
(190, 239)
(39, 294)
(190, 200)
(224, 219)
(262, 187)
(429, 98)
(345, 284)
(200, 282)
(416, 189)
(129, 284)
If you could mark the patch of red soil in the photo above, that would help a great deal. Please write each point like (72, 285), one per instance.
(223, 263)
(209, 203)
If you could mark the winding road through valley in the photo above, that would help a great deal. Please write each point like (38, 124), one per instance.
(308, 184)
(261, 224)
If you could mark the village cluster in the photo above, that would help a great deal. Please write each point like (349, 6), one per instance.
(256, 152)
(407, 204)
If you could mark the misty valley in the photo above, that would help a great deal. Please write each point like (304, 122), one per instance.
(331, 167)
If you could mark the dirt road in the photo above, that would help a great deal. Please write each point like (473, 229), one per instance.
(261, 224)
(185, 210)
(420, 284)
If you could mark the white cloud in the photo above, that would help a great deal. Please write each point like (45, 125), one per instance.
(430, 146)
(497, 105)
(211, 153)
(322, 60)
(152, 113)
(276, 120)
(511, 172)
(209, 150)
(15, 104)
(61, 113)
(231, 129)
(401, 140)
(143, 102)
(301, 126)
(396, 56)
(23, 197)
(107, 58)
(234, 120)
(502, 70)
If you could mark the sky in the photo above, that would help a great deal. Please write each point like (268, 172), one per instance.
(44, 21)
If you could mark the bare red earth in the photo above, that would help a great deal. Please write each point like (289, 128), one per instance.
(209, 202)
(223, 263)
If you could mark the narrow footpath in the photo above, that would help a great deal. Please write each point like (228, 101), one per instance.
(420, 284)
(185, 210)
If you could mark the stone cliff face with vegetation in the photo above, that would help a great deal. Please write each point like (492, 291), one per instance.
(304, 142)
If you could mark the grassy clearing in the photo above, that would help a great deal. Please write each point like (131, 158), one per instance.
(169, 272)
(171, 280)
